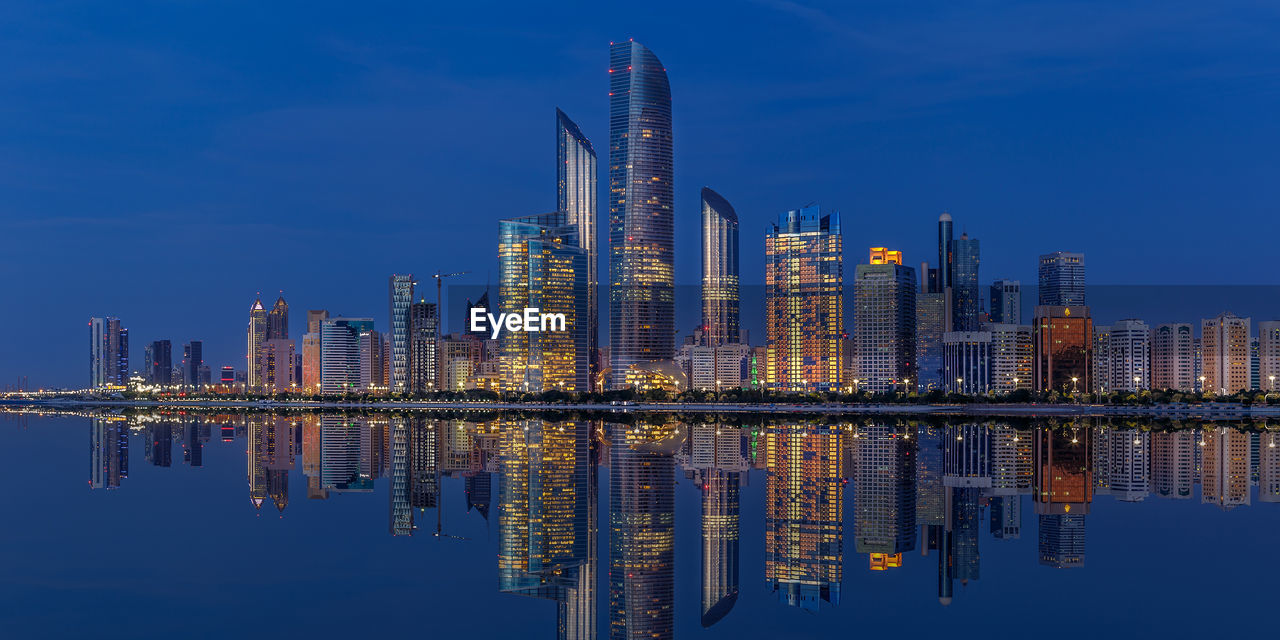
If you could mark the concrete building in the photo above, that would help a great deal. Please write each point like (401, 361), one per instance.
(966, 357)
(1225, 352)
(1129, 356)
(1012, 356)
(885, 322)
(1173, 357)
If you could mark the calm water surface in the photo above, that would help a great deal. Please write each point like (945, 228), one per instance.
(327, 526)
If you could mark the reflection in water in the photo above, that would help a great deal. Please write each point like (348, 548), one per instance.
(932, 488)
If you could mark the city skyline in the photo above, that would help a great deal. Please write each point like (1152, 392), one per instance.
(578, 81)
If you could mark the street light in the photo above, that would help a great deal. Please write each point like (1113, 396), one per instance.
(1074, 380)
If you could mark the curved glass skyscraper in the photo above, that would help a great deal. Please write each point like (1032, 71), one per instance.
(641, 210)
(720, 320)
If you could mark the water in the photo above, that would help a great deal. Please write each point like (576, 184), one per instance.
(258, 524)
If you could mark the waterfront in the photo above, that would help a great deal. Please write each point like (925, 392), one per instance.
(325, 525)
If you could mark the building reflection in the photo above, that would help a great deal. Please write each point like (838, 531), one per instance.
(109, 452)
(884, 522)
(804, 513)
(1225, 479)
(715, 459)
(642, 529)
(1063, 492)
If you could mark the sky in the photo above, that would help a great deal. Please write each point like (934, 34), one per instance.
(164, 162)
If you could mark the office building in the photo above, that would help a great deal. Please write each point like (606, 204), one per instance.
(930, 315)
(1269, 356)
(641, 210)
(257, 335)
(1062, 280)
(423, 327)
(276, 359)
(720, 319)
(340, 354)
(1224, 344)
(968, 301)
(945, 274)
(162, 362)
(1006, 302)
(1063, 346)
(804, 301)
(966, 357)
(193, 362)
(885, 322)
(373, 364)
(576, 191)
(541, 265)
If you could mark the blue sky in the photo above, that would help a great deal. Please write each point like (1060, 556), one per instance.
(165, 161)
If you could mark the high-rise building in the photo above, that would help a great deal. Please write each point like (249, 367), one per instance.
(1063, 343)
(804, 513)
(804, 300)
(400, 294)
(1006, 302)
(1225, 350)
(576, 194)
(720, 319)
(1129, 356)
(310, 356)
(884, 322)
(641, 210)
(276, 360)
(966, 357)
(541, 265)
(108, 353)
(930, 314)
(373, 361)
(1269, 355)
(257, 335)
(1062, 279)
(192, 361)
(423, 324)
(1173, 357)
(340, 354)
(278, 320)
(1012, 356)
(968, 300)
(945, 274)
(162, 362)
(1100, 372)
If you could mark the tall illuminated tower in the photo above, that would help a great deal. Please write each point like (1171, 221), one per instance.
(641, 210)
(257, 335)
(400, 295)
(968, 302)
(108, 352)
(804, 300)
(885, 321)
(1062, 279)
(576, 198)
(720, 319)
(541, 266)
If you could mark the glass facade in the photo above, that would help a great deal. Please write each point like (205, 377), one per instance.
(641, 535)
(576, 193)
(968, 301)
(542, 266)
(804, 300)
(720, 313)
(884, 325)
(1062, 279)
(1063, 349)
(641, 210)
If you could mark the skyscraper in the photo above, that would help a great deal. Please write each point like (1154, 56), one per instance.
(161, 362)
(968, 301)
(930, 315)
(1173, 357)
(1224, 342)
(576, 195)
(804, 300)
(1062, 279)
(257, 335)
(108, 352)
(641, 210)
(966, 357)
(276, 360)
(278, 320)
(193, 359)
(720, 320)
(340, 354)
(400, 294)
(541, 265)
(423, 321)
(884, 322)
(1006, 302)
(1011, 356)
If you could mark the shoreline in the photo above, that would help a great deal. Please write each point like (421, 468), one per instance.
(1203, 411)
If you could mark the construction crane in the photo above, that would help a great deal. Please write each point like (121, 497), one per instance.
(440, 276)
